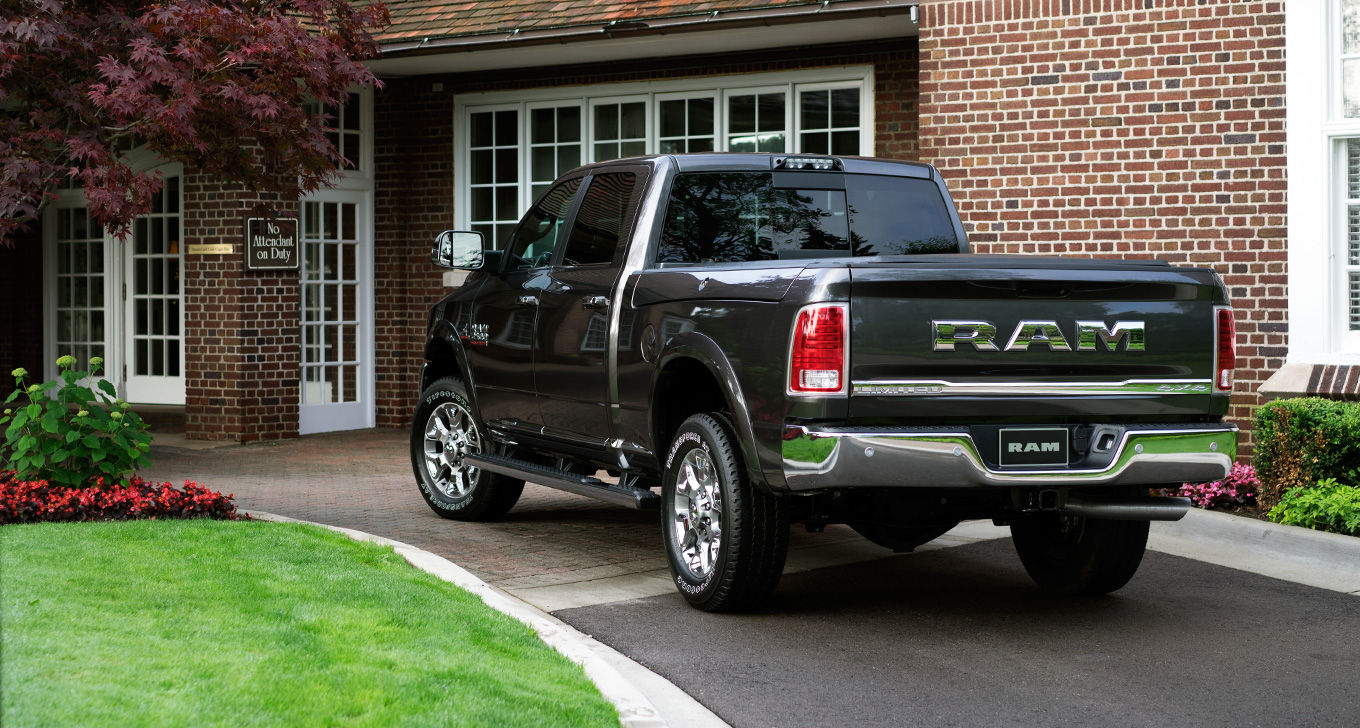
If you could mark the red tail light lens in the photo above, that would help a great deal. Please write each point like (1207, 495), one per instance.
(817, 360)
(1225, 359)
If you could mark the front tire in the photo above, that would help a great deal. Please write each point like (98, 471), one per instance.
(1074, 555)
(725, 540)
(442, 433)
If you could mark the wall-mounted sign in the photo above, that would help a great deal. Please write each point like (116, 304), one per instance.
(210, 248)
(271, 243)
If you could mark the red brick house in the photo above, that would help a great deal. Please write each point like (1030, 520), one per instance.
(1124, 128)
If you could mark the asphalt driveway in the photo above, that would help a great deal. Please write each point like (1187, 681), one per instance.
(956, 636)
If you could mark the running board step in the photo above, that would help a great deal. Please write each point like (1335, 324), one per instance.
(640, 499)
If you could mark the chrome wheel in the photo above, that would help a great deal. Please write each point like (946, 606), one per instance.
(697, 514)
(450, 434)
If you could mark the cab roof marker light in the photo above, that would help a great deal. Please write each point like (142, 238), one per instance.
(823, 164)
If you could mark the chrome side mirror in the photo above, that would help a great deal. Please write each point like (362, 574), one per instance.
(457, 249)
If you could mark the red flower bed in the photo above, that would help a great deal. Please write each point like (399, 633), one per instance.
(24, 501)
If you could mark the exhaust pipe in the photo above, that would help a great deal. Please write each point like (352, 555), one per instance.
(1158, 508)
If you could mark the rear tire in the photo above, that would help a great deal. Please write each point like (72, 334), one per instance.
(1075, 555)
(442, 432)
(725, 540)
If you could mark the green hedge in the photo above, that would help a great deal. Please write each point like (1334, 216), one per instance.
(1300, 442)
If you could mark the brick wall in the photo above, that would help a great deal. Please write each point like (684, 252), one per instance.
(1120, 128)
(21, 310)
(241, 327)
(413, 196)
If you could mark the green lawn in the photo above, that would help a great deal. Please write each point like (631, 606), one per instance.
(203, 623)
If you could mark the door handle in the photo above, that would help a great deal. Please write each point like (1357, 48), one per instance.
(598, 303)
(528, 300)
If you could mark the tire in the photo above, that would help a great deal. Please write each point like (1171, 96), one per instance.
(725, 540)
(1074, 555)
(442, 431)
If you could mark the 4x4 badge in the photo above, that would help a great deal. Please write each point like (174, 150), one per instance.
(476, 335)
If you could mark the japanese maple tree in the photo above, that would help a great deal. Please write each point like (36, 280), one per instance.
(227, 87)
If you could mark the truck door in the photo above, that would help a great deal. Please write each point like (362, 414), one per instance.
(572, 362)
(501, 341)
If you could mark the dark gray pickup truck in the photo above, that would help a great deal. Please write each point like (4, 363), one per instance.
(779, 339)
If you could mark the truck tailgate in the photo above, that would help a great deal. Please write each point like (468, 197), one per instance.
(1030, 339)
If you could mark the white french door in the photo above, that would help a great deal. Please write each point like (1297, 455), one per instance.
(121, 299)
(153, 302)
(337, 313)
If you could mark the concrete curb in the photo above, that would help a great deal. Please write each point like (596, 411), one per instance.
(1315, 558)
(598, 660)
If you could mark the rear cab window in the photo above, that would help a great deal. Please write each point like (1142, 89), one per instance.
(742, 216)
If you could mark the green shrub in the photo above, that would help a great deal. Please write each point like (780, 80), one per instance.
(1300, 442)
(1325, 507)
(77, 436)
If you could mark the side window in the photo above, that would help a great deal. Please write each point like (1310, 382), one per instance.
(718, 218)
(730, 217)
(599, 223)
(536, 235)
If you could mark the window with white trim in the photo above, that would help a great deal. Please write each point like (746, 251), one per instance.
(80, 304)
(493, 141)
(344, 129)
(511, 144)
(1345, 123)
(685, 124)
(619, 128)
(554, 144)
(757, 121)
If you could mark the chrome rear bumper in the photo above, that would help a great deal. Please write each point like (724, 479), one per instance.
(834, 458)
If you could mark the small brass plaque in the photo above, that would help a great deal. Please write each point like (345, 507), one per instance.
(212, 249)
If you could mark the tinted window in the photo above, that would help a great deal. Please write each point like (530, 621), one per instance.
(899, 216)
(599, 222)
(537, 233)
(742, 216)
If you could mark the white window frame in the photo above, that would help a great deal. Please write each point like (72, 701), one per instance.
(1315, 136)
(354, 185)
(758, 91)
(361, 178)
(527, 145)
(719, 118)
(796, 124)
(651, 92)
(593, 103)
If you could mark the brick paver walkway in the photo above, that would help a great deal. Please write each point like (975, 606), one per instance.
(362, 480)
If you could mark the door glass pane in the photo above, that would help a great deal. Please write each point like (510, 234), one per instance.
(494, 172)
(330, 292)
(80, 290)
(154, 295)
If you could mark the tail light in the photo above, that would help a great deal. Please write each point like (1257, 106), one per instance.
(820, 351)
(1225, 356)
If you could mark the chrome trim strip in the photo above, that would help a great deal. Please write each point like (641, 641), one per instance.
(944, 387)
(829, 459)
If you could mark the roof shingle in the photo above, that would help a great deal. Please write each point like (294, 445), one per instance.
(418, 19)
